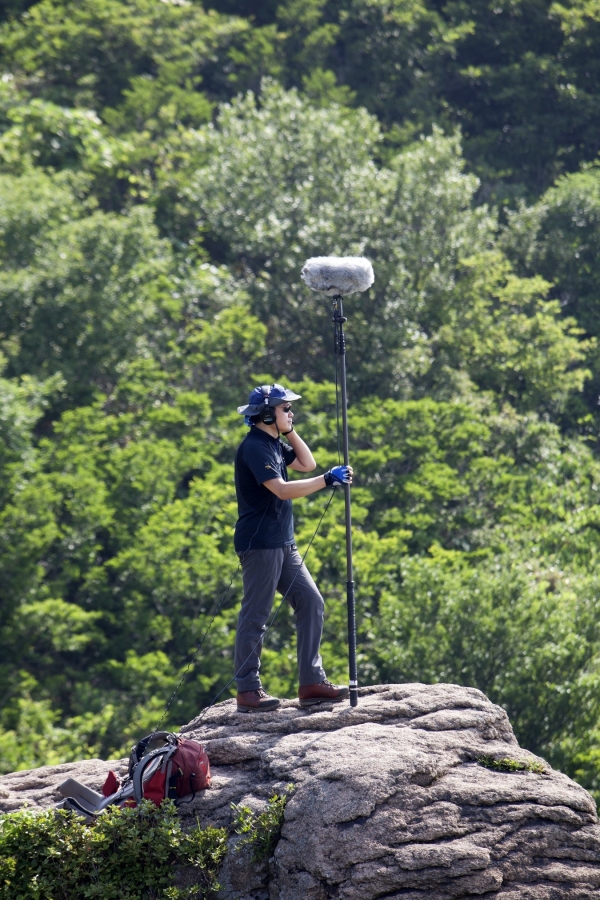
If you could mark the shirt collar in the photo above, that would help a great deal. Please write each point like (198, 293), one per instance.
(262, 435)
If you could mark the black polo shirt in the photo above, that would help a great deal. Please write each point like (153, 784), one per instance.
(264, 520)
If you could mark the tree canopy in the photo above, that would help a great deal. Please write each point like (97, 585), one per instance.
(165, 170)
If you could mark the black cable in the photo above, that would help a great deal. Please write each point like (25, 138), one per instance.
(271, 623)
(188, 668)
(190, 664)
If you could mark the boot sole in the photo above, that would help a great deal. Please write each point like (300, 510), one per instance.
(256, 709)
(315, 701)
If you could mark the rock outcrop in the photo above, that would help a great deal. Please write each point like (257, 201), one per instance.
(390, 801)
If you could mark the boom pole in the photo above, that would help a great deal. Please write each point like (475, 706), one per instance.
(339, 319)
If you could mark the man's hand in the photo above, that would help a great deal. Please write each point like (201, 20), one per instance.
(338, 475)
(305, 461)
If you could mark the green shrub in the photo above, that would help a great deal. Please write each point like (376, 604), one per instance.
(262, 830)
(128, 854)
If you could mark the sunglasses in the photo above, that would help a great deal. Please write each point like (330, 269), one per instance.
(287, 408)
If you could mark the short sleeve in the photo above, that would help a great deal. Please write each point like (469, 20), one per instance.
(288, 453)
(262, 460)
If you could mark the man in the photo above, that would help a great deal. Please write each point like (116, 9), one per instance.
(264, 542)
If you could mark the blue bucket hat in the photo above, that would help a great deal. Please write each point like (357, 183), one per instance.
(266, 395)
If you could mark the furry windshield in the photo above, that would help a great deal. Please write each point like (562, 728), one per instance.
(338, 275)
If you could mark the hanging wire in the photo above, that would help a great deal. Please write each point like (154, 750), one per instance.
(190, 664)
(275, 614)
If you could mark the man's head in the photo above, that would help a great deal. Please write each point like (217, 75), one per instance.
(284, 417)
(269, 404)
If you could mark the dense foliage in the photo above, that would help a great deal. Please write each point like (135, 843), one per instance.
(126, 853)
(165, 169)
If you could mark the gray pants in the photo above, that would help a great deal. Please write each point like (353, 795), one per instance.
(264, 572)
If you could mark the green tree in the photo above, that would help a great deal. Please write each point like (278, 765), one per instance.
(89, 54)
(286, 181)
(559, 237)
(414, 218)
(521, 79)
(79, 293)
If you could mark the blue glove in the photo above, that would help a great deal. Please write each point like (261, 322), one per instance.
(338, 475)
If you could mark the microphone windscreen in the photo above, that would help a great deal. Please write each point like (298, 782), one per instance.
(338, 275)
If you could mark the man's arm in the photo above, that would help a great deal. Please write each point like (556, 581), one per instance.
(291, 490)
(305, 461)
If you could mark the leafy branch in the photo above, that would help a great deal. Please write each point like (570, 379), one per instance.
(262, 830)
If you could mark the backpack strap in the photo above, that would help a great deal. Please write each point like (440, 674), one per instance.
(191, 800)
(172, 778)
(125, 792)
(72, 804)
(140, 749)
(163, 753)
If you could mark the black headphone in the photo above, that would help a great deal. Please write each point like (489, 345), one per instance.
(267, 414)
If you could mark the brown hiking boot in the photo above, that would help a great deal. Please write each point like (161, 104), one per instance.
(325, 692)
(256, 701)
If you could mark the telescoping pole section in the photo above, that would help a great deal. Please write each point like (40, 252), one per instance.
(339, 319)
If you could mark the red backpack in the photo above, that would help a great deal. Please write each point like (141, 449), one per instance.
(176, 768)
